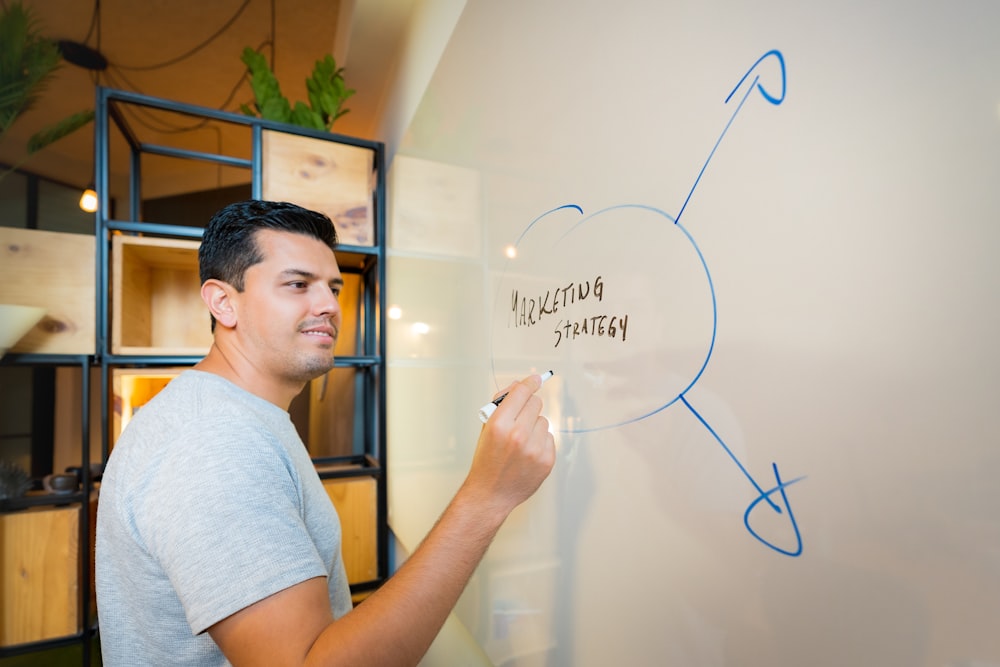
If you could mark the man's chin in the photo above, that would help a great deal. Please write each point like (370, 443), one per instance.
(315, 368)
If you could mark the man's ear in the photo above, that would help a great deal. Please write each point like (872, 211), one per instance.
(217, 295)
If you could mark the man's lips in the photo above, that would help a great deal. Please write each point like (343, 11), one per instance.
(322, 330)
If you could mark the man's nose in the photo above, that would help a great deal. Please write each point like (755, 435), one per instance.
(326, 302)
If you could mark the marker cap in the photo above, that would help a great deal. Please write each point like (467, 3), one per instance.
(486, 411)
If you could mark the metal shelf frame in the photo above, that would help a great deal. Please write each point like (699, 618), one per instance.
(112, 113)
(87, 624)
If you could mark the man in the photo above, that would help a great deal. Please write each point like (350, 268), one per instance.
(216, 541)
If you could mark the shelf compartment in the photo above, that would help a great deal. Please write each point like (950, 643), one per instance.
(356, 502)
(56, 271)
(333, 178)
(156, 298)
(332, 411)
(39, 574)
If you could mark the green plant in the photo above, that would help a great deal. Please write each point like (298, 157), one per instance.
(14, 482)
(27, 63)
(326, 87)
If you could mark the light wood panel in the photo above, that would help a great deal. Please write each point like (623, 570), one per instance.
(335, 179)
(55, 271)
(68, 418)
(39, 584)
(356, 502)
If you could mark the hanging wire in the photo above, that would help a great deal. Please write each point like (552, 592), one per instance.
(190, 52)
(115, 75)
(274, 37)
(95, 26)
(93, 23)
(150, 121)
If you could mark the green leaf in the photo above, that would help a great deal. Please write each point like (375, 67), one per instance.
(303, 116)
(328, 102)
(269, 101)
(325, 88)
(327, 91)
(27, 63)
(276, 109)
(55, 132)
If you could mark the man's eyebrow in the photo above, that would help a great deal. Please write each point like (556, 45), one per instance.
(308, 275)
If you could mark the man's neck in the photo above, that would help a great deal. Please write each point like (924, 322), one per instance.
(237, 370)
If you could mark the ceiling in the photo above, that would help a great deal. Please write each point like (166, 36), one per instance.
(189, 51)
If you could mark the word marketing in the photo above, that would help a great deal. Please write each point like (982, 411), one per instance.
(528, 311)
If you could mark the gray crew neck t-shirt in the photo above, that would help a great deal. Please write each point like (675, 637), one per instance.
(209, 503)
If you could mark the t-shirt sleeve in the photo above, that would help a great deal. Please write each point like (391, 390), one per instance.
(225, 522)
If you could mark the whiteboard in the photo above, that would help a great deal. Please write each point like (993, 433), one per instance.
(757, 243)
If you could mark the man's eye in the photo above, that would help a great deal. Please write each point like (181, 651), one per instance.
(298, 284)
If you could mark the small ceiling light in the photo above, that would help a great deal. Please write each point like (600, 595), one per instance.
(88, 202)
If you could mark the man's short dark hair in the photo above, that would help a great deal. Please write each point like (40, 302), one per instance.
(229, 248)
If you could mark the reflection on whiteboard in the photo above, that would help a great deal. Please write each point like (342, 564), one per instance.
(617, 363)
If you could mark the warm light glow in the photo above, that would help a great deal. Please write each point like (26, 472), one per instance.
(88, 202)
(420, 328)
(395, 312)
(510, 251)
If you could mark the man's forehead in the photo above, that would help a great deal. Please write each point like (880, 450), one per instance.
(277, 240)
(287, 251)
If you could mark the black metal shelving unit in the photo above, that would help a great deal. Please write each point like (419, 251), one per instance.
(112, 114)
(87, 622)
(113, 109)
(368, 262)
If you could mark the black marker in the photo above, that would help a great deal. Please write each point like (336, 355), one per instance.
(487, 410)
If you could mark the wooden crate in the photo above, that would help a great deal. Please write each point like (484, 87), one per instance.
(55, 271)
(326, 176)
(39, 580)
(156, 298)
(356, 501)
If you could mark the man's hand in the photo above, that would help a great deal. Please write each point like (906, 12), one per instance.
(515, 452)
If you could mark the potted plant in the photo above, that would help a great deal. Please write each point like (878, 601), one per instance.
(326, 86)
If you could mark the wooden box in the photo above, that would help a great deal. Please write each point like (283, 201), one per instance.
(326, 176)
(356, 501)
(156, 298)
(39, 580)
(55, 271)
